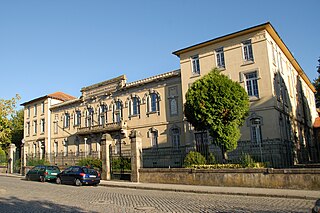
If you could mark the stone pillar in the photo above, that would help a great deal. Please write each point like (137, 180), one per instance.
(136, 151)
(12, 150)
(23, 157)
(106, 141)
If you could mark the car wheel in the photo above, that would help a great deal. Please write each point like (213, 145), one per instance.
(42, 179)
(27, 177)
(96, 184)
(77, 182)
(58, 180)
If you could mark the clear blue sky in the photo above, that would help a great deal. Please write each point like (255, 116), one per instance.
(64, 45)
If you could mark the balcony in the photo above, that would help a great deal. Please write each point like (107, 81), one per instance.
(111, 127)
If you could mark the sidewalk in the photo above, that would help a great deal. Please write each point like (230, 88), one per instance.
(246, 191)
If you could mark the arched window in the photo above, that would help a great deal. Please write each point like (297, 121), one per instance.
(89, 117)
(102, 117)
(256, 135)
(153, 135)
(134, 106)
(175, 137)
(153, 103)
(117, 111)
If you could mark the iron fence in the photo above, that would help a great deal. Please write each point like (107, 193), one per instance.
(60, 159)
(164, 157)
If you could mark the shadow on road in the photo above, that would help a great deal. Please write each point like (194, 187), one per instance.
(14, 204)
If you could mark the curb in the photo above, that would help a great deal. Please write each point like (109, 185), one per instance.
(210, 192)
(105, 184)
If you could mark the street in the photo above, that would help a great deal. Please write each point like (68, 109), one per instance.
(17, 195)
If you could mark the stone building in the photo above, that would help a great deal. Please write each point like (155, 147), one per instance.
(278, 129)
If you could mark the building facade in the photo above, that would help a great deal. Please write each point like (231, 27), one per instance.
(280, 123)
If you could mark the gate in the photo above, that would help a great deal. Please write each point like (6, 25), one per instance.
(16, 162)
(120, 162)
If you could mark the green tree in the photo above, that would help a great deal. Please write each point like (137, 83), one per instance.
(7, 108)
(218, 105)
(17, 127)
(316, 84)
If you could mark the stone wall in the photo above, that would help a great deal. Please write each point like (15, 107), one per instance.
(308, 179)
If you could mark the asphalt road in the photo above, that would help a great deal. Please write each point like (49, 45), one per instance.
(17, 195)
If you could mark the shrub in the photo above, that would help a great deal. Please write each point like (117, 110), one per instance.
(92, 162)
(35, 162)
(247, 161)
(121, 163)
(194, 158)
(211, 159)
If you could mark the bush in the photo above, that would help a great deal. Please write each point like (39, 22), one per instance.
(247, 161)
(194, 158)
(121, 163)
(35, 162)
(211, 159)
(92, 162)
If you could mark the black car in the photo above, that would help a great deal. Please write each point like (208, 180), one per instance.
(79, 175)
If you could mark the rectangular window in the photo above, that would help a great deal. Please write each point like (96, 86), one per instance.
(34, 127)
(220, 58)
(195, 64)
(28, 111)
(28, 128)
(42, 107)
(66, 122)
(247, 50)
(35, 109)
(42, 124)
(175, 138)
(55, 127)
(173, 106)
(154, 139)
(252, 84)
(256, 134)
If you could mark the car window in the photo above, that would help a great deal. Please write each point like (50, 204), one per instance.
(52, 168)
(75, 169)
(89, 171)
(67, 170)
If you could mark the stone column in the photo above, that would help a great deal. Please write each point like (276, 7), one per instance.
(106, 141)
(12, 150)
(23, 157)
(136, 151)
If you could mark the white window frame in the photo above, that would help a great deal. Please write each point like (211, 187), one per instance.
(220, 60)
(35, 110)
(77, 118)
(42, 125)
(102, 115)
(35, 123)
(247, 51)
(28, 128)
(135, 106)
(66, 120)
(42, 107)
(251, 84)
(28, 111)
(195, 64)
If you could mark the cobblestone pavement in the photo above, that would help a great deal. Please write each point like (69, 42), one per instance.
(18, 195)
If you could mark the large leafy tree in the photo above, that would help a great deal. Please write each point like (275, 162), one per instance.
(7, 108)
(316, 84)
(17, 127)
(218, 105)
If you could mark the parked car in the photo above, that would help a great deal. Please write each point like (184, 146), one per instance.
(43, 173)
(79, 175)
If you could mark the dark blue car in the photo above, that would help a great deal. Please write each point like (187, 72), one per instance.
(79, 175)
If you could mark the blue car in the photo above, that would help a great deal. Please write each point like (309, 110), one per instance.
(79, 175)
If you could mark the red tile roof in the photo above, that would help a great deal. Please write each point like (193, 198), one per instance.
(317, 123)
(57, 95)
(61, 96)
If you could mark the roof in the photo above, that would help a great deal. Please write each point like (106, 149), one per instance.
(153, 78)
(317, 123)
(272, 32)
(56, 95)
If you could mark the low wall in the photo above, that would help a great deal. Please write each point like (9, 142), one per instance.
(308, 179)
(3, 169)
